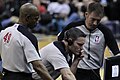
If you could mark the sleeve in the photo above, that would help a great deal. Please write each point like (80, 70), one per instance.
(30, 51)
(58, 61)
(110, 40)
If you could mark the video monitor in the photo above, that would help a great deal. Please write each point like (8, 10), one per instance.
(112, 68)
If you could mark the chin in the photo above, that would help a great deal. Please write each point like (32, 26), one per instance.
(92, 29)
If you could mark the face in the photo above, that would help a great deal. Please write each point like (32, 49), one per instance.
(76, 47)
(33, 19)
(92, 20)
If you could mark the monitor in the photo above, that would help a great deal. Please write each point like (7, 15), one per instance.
(112, 68)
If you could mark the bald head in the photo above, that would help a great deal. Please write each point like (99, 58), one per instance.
(29, 15)
(28, 9)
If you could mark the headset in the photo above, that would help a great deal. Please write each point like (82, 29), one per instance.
(67, 38)
(70, 42)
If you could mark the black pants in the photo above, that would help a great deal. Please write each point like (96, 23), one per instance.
(8, 75)
(83, 74)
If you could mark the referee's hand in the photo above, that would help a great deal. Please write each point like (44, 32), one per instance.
(80, 56)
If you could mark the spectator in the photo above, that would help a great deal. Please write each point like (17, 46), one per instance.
(60, 11)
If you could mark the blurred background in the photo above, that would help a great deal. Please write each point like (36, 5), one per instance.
(56, 14)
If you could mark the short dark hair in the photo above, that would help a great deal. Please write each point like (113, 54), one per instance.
(96, 7)
(73, 33)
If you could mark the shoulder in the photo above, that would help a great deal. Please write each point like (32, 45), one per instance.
(104, 29)
(75, 23)
(26, 33)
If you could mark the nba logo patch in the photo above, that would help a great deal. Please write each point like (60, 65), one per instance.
(97, 39)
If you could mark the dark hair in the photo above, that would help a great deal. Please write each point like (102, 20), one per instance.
(95, 7)
(73, 33)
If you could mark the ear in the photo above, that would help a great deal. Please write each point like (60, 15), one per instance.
(86, 14)
(70, 41)
(27, 17)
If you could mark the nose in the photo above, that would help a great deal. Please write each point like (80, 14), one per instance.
(95, 22)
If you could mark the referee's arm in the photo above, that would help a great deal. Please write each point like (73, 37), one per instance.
(41, 70)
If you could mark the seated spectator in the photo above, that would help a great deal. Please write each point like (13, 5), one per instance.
(60, 11)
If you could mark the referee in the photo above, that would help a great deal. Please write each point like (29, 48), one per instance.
(19, 48)
(56, 56)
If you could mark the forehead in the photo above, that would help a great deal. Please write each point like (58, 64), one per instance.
(95, 15)
(34, 12)
(80, 40)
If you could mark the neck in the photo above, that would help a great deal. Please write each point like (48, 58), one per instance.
(65, 43)
(66, 46)
(87, 26)
(22, 23)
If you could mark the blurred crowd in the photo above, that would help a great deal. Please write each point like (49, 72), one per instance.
(56, 14)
